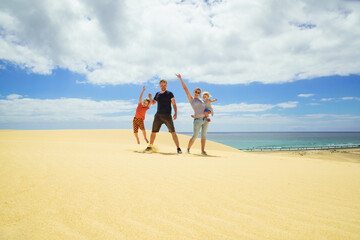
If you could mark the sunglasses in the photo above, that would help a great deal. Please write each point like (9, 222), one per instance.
(197, 92)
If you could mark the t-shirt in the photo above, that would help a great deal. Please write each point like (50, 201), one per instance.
(208, 106)
(140, 111)
(199, 106)
(164, 102)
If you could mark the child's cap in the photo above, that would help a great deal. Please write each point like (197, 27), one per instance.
(207, 93)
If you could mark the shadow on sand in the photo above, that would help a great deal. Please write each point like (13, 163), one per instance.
(165, 153)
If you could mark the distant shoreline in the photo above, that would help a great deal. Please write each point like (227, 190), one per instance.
(288, 149)
(286, 141)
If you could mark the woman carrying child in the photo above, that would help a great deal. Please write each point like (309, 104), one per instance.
(200, 120)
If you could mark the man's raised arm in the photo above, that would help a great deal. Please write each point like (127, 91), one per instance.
(152, 101)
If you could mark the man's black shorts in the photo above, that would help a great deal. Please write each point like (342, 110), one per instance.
(160, 119)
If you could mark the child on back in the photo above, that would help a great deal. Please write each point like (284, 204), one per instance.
(139, 118)
(208, 107)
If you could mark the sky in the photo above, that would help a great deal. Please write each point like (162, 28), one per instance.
(290, 65)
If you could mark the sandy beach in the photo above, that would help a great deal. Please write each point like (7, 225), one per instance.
(99, 184)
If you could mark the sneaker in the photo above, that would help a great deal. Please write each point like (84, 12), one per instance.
(208, 120)
(179, 150)
(148, 149)
(204, 153)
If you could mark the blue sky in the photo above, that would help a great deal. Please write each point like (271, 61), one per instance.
(82, 64)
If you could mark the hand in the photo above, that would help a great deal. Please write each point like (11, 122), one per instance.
(175, 116)
(143, 88)
(179, 76)
(150, 96)
(215, 100)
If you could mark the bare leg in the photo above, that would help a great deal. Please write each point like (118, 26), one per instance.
(191, 142)
(207, 116)
(137, 138)
(152, 137)
(175, 138)
(144, 133)
(203, 142)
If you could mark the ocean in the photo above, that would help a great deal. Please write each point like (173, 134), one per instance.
(278, 140)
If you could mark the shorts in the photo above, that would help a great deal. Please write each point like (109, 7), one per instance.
(160, 119)
(138, 123)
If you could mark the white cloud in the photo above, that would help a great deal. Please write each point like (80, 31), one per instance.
(244, 107)
(13, 96)
(117, 42)
(327, 99)
(26, 110)
(331, 116)
(80, 82)
(78, 113)
(278, 122)
(288, 105)
(32, 113)
(186, 110)
(306, 95)
(351, 98)
(339, 99)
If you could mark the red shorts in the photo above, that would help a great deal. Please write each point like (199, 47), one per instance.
(138, 123)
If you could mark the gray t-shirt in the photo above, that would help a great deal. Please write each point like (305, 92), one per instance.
(208, 106)
(199, 107)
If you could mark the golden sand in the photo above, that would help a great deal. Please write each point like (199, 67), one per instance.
(99, 184)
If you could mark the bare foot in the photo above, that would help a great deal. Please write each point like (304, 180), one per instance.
(147, 141)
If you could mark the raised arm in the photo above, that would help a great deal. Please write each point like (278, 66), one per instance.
(152, 101)
(140, 98)
(185, 88)
(213, 100)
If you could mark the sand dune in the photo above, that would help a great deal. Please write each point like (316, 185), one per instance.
(99, 184)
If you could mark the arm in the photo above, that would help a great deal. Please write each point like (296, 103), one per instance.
(213, 100)
(175, 108)
(140, 98)
(152, 101)
(185, 88)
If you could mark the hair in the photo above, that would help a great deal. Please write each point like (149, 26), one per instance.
(163, 80)
(198, 89)
(148, 100)
(207, 94)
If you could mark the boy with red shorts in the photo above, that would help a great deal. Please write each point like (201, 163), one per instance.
(139, 118)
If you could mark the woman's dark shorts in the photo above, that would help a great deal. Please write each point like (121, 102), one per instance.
(160, 119)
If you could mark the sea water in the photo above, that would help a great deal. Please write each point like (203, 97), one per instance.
(249, 140)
